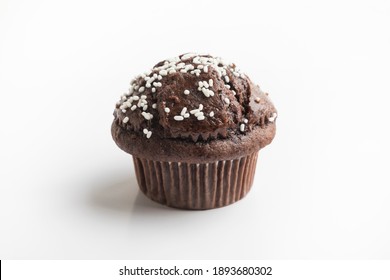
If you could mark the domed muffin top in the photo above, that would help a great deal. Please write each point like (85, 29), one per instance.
(197, 97)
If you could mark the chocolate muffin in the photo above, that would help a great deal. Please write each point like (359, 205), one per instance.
(194, 125)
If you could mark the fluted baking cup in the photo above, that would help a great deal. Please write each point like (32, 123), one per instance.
(196, 186)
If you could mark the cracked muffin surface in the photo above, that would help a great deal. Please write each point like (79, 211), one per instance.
(196, 108)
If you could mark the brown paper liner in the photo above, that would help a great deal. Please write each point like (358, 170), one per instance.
(196, 186)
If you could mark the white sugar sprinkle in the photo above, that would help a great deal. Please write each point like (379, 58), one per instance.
(201, 118)
(227, 79)
(211, 82)
(133, 107)
(145, 130)
(159, 77)
(148, 134)
(205, 92)
(147, 116)
(123, 111)
(257, 100)
(126, 119)
(188, 55)
(154, 105)
(153, 89)
(227, 86)
(148, 85)
(183, 111)
(197, 114)
(186, 92)
(135, 97)
(234, 93)
(194, 111)
(145, 107)
(206, 69)
(143, 96)
(200, 83)
(141, 89)
(167, 110)
(163, 72)
(227, 101)
(186, 115)
(200, 107)
(178, 118)
(211, 114)
(245, 120)
(272, 119)
(242, 127)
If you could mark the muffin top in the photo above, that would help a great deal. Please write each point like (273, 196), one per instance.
(191, 100)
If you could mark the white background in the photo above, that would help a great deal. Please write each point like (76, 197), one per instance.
(322, 188)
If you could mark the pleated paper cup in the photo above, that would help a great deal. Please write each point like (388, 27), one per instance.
(196, 186)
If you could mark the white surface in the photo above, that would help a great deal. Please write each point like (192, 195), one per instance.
(321, 188)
